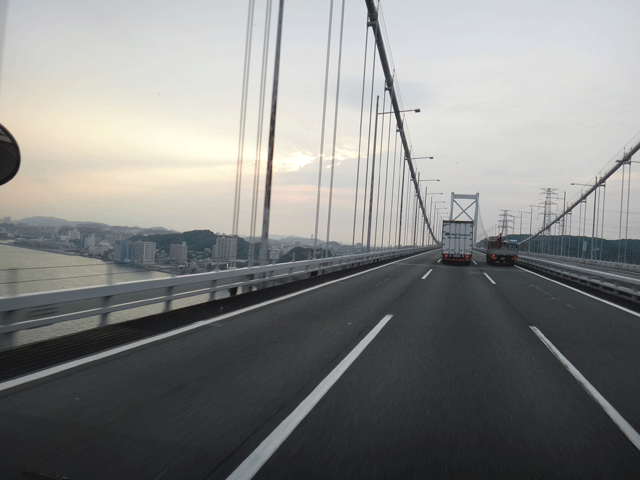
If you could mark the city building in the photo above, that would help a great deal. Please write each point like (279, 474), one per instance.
(274, 254)
(225, 249)
(122, 251)
(178, 253)
(88, 241)
(144, 252)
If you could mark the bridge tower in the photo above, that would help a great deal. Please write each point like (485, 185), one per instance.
(471, 201)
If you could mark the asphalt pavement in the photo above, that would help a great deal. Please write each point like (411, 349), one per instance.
(414, 369)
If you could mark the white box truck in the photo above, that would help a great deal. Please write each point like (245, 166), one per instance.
(457, 242)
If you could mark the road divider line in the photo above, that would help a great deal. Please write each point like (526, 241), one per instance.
(490, 279)
(619, 307)
(439, 260)
(474, 262)
(6, 385)
(622, 424)
(252, 464)
(427, 274)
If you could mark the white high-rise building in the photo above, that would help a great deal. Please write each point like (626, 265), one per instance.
(88, 241)
(178, 253)
(225, 249)
(144, 252)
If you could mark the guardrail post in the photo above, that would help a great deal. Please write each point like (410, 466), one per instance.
(6, 339)
(212, 295)
(167, 304)
(105, 303)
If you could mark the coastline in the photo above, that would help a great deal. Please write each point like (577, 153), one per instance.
(134, 266)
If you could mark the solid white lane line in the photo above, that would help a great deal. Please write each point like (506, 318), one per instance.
(130, 346)
(439, 260)
(619, 307)
(490, 279)
(622, 424)
(427, 274)
(474, 262)
(247, 469)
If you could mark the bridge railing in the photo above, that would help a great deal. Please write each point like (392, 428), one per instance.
(33, 310)
(621, 285)
(624, 284)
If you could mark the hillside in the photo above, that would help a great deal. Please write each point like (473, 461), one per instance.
(44, 221)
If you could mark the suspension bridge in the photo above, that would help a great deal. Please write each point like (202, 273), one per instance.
(380, 362)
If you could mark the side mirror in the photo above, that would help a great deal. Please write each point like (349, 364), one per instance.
(9, 156)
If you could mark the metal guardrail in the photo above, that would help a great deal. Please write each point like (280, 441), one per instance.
(33, 310)
(623, 286)
(586, 261)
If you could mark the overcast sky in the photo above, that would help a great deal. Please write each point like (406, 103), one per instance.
(127, 112)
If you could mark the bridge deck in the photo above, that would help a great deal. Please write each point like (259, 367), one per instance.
(456, 384)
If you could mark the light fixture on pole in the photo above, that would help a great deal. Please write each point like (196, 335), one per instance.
(416, 110)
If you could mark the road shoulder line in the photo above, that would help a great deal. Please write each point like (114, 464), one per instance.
(622, 424)
(619, 307)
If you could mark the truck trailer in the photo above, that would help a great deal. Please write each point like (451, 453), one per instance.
(457, 242)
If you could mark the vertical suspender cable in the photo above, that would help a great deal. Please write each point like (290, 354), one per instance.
(386, 182)
(324, 114)
(401, 193)
(375, 234)
(626, 228)
(366, 174)
(243, 117)
(393, 186)
(256, 169)
(335, 125)
(364, 76)
(604, 199)
(620, 222)
(410, 207)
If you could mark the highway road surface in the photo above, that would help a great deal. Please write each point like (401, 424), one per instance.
(413, 369)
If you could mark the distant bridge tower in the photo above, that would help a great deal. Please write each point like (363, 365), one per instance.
(473, 201)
